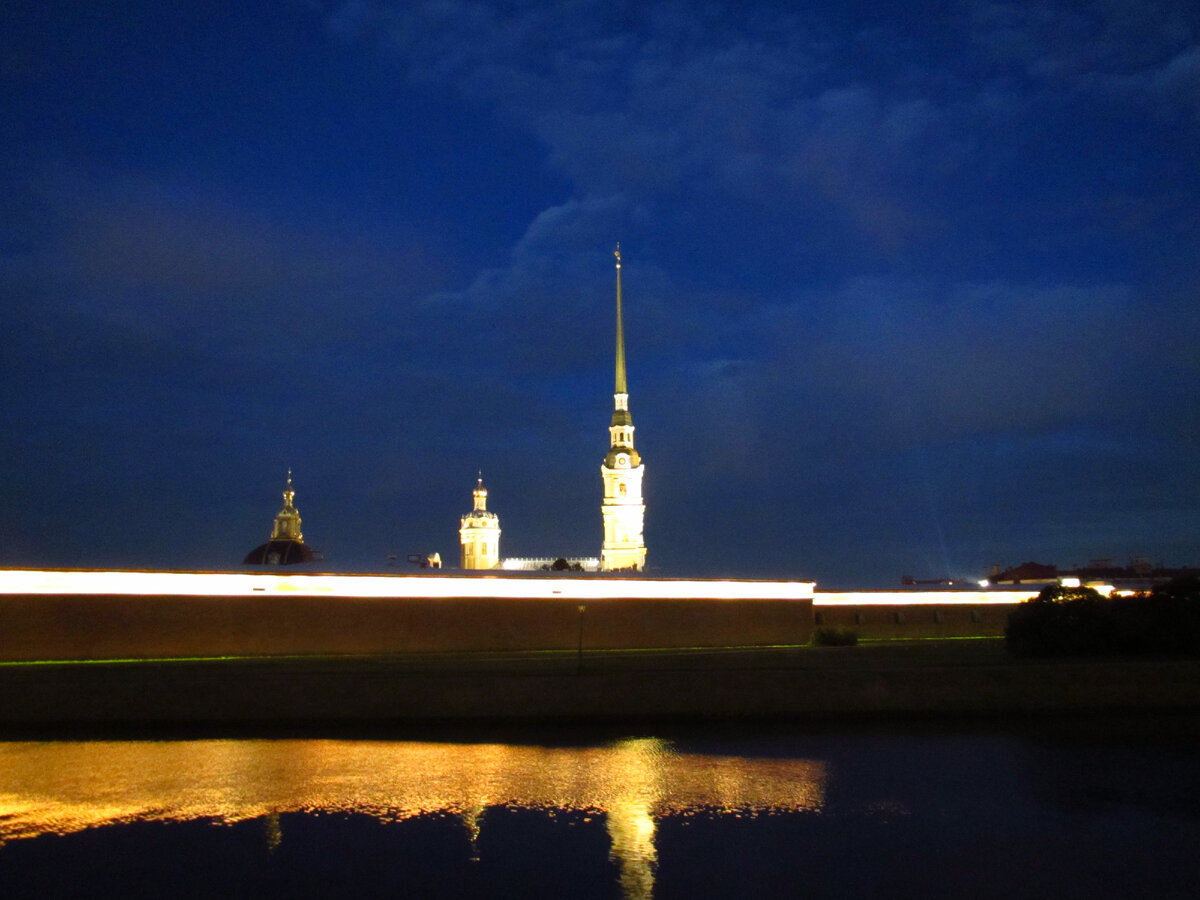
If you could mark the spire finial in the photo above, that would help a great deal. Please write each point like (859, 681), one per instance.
(480, 493)
(621, 387)
(287, 520)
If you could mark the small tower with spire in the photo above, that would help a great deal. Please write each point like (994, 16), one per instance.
(622, 509)
(479, 533)
(287, 520)
(286, 545)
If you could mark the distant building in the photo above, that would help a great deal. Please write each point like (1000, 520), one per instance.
(551, 564)
(1139, 575)
(286, 546)
(1025, 573)
(425, 560)
(479, 533)
(622, 510)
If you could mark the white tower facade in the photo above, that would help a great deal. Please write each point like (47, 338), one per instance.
(479, 533)
(623, 509)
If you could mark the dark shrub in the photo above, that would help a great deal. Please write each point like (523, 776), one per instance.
(1078, 621)
(1059, 621)
(834, 637)
(1173, 617)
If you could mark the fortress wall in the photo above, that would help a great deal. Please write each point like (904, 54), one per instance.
(628, 623)
(77, 626)
(916, 621)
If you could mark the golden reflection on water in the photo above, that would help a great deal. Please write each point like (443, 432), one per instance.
(64, 787)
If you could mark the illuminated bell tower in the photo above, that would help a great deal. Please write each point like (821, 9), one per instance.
(622, 510)
(480, 533)
(286, 545)
(287, 520)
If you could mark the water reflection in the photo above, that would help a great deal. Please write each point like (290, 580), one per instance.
(65, 787)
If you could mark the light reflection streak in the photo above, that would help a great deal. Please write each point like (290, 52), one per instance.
(920, 598)
(244, 584)
(631, 820)
(65, 787)
(247, 584)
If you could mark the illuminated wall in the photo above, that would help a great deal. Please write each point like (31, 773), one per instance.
(62, 614)
(116, 615)
(911, 615)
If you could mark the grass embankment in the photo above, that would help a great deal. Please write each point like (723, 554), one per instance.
(875, 679)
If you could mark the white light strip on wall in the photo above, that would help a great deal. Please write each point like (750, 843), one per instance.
(919, 598)
(236, 584)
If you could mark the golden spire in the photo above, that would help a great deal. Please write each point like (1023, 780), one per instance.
(289, 493)
(621, 429)
(621, 387)
(480, 495)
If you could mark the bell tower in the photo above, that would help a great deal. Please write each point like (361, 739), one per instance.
(622, 509)
(479, 533)
(286, 545)
(287, 520)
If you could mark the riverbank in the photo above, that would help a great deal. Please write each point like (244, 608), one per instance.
(874, 680)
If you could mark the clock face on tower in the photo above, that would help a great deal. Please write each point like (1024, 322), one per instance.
(622, 460)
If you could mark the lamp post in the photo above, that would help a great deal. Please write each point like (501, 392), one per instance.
(579, 646)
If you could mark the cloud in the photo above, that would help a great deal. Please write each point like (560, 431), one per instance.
(974, 357)
(671, 102)
(879, 367)
(540, 313)
(1056, 40)
(160, 257)
(807, 146)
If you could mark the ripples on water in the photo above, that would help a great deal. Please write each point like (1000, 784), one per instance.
(883, 815)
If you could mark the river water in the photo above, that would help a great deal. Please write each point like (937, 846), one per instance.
(1082, 809)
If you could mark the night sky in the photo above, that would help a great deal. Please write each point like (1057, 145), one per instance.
(910, 287)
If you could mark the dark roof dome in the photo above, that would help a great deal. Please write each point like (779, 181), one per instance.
(279, 553)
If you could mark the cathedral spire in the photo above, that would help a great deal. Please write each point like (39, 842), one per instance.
(621, 429)
(622, 509)
(621, 387)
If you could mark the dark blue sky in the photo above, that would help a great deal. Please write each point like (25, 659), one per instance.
(911, 288)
